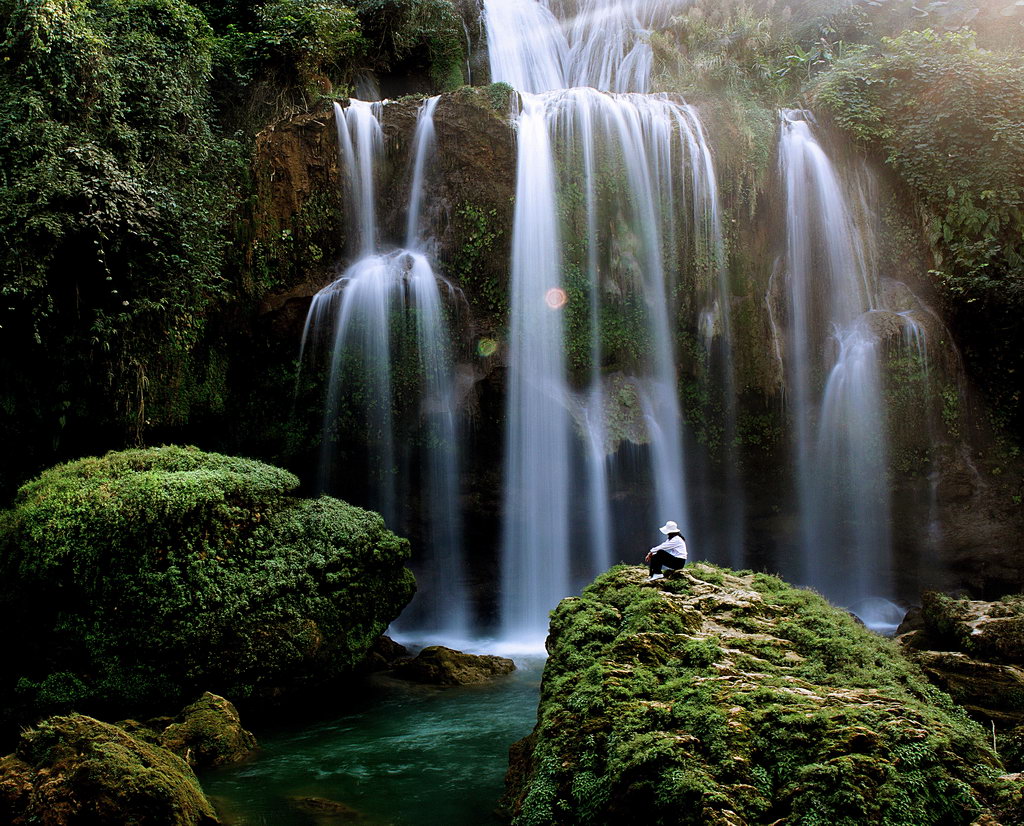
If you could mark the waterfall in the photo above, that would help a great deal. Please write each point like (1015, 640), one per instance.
(424, 146)
(388, 307)
(587, 125)
(535, 573)
(620, 307)
(833, 361)
(597, 43)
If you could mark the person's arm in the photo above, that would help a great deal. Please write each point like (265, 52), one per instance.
(653, 551)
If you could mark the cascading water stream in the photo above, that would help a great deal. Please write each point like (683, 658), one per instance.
(835, 379)
(424, 147)
(373, 297)
(535, 572)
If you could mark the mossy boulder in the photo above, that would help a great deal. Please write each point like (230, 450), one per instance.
(77, 770)
(208, 733)
(144, 577)
(712, 697)
(437, 665)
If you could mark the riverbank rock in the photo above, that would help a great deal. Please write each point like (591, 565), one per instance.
(437, 665)
(142, 578)
(77, 770)
(974, 650)
(209, 733)
(718, 698)
(383, 655)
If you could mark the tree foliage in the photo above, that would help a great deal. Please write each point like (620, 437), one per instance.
(316, 38)
(114, 195)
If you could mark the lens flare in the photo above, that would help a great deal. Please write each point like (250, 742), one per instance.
(555, 298)
(486, 347)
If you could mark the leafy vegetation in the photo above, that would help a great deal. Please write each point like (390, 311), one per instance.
(142, 577)
(115, 196)
(719, 697)
(315, 38)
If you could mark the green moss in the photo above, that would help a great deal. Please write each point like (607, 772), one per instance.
(96, 771)
(149, 574)
(500, 96)
(715, 697)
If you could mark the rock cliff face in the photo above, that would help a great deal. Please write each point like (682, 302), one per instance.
(299, 235)
(715, 697)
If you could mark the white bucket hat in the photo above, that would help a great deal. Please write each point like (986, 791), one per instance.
(669, 527)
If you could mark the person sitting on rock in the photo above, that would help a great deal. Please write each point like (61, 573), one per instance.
(669, 554)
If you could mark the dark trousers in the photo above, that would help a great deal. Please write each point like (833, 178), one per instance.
(665, 559)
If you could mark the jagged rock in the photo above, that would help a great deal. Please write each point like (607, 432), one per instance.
(974, 650)
(438, 665)
(988, 630)
(717, 698)
(77, 770)
(209, 733)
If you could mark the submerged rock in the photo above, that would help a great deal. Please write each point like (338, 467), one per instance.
(438, 665)
(77, 770)
(325, 811)
(720, 698)
(208, 733)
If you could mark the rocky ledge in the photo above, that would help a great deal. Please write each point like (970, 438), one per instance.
(714, 697)
(975, 651)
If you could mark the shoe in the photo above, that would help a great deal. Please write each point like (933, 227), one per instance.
(655, 576)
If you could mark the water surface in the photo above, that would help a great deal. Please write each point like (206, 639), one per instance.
(407, 756)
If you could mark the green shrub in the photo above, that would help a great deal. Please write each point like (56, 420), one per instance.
(114, 198)
(314, 36)
(144, 576)
(428, 31)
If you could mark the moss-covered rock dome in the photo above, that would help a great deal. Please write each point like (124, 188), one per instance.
(720, 698)
(141, 578)
(77, 770)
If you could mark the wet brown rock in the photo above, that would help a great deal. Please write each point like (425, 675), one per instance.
(437, 665)
(384, 654)
(974, 650)
(209, 733)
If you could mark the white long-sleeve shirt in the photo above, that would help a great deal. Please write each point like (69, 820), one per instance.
(675, 546)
